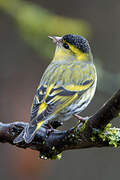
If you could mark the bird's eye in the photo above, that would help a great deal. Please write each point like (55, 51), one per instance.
(66, 46)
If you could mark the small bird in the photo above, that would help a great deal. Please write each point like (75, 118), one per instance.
(66, 87)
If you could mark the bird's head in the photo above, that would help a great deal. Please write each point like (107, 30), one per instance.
(71, 47)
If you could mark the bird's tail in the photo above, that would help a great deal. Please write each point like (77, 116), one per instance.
(19, 138)
(31, 130)
(26, 135)
(29, 133)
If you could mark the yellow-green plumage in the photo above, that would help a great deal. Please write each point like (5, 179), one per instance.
(66, 88)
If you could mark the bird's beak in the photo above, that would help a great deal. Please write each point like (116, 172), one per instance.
(55, 39)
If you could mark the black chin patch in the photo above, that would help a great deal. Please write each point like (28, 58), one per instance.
(78, 41)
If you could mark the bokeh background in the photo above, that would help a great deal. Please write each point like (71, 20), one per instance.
(25, 52)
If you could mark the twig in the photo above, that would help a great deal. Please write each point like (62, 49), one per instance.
(92, 133)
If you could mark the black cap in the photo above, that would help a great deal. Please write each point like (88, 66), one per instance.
(78, 41)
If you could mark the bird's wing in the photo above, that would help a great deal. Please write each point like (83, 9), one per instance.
(51, 99)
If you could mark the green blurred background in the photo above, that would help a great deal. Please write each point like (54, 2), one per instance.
(25, 52)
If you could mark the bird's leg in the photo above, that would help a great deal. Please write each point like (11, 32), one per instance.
(49, 128)
(82, 119)
(56, 123)
(51, 125)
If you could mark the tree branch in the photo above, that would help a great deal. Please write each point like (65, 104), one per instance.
(95, 132)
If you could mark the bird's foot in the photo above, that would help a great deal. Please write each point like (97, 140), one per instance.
(81, 124)
(81, 119)
(49, 131)
(52, 125)
(49, 128)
